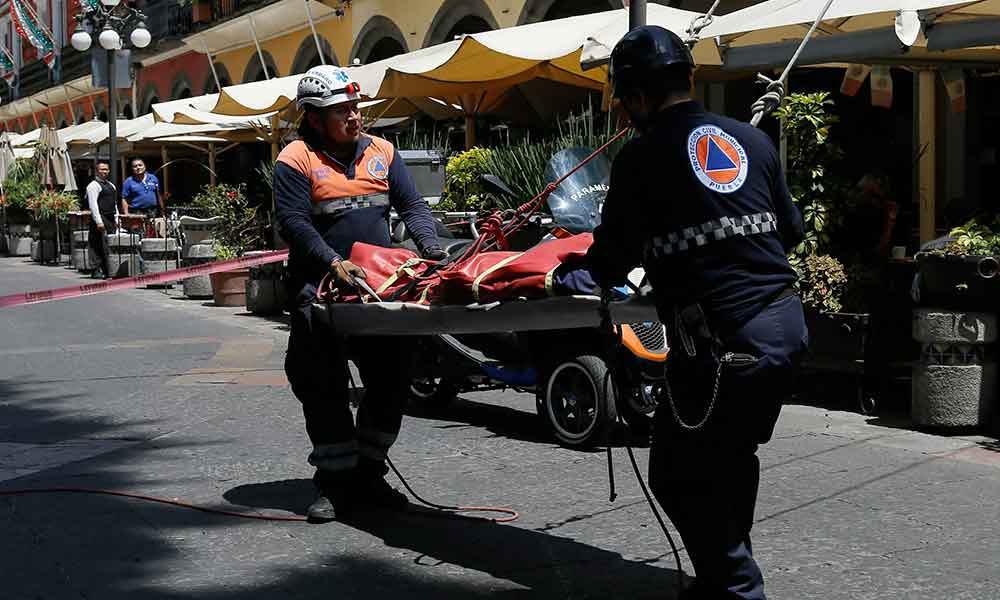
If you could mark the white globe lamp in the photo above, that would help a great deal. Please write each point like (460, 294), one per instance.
(80, 40)
(109, 39)
(140, 36)
(109, 3)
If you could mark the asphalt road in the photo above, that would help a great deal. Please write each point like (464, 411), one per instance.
(144, 391)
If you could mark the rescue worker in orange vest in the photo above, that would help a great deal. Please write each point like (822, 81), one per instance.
(334, 187)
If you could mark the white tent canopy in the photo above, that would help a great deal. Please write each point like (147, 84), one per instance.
(767, 34)
(473, 72)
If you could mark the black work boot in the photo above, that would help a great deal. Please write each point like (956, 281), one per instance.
(322, 510)
(370, 488)
(331, 497)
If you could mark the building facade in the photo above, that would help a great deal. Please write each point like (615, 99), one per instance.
(175, 67)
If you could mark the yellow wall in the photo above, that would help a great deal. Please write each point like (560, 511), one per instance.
(336, 31)
(412, 17)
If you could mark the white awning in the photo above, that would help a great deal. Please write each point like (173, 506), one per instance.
(270, 21)
(52, 97)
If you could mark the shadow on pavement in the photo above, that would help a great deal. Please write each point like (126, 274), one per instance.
(548, 566)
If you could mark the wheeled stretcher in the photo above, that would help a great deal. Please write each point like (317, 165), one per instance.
(404, 318)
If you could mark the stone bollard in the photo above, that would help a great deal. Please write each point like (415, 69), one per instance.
(266, 289)
(955, 380)
(159, 255)
(43, 251)
(19, 240)
(201, 285)
(84, 259)
(123, 254)
(195, 231)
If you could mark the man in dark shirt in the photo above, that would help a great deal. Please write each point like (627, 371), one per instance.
(334, 187)
(700, 201)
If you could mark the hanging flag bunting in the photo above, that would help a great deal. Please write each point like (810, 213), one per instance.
(881, 86)
(854, 77)
(29, 29)
(954, 82)
(7, 66)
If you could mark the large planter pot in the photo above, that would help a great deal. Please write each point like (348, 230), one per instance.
(959, 282)
(837, 336)
(229, 287)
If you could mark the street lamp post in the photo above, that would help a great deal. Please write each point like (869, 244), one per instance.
(114, 20)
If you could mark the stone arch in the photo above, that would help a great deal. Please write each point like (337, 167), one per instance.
(255, 71)
(181, 87)
(150, 96)
(459, 16)
(307, 56)
(224, 79)
(545, 10)
(375, 40)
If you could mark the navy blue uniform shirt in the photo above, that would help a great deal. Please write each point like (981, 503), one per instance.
(700, 201)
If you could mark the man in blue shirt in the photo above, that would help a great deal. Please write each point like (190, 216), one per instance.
(141, 192)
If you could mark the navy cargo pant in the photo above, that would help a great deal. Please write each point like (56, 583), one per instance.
(706, 480)
(316, 366)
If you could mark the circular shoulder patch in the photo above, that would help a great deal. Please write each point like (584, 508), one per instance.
(377, 167)
(719, 161)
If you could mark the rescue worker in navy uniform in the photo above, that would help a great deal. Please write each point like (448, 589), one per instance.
(334, 187)
(700, 201)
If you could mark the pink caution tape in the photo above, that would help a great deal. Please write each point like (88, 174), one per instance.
(115, 285)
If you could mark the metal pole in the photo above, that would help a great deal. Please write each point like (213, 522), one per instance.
(636, 14)
(166, 171)
(112, 121)
(312, 26)
(211, 163)
(211, 65)
(260, 53)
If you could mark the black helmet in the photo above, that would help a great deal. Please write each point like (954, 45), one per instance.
(641, 52)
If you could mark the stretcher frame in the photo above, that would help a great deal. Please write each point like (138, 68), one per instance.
(403, 318)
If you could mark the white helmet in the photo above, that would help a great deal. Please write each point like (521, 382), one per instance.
(326, 85)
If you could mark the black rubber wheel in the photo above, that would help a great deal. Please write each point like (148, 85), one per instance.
(577, 402)
(433, 392)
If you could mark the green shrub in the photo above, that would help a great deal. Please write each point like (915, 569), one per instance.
(976, 238)
(236, 232)
(815, 189)
(821, 283)
(462, 188)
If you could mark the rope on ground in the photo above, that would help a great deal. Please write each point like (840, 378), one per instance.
(512, 514)
(775, 92)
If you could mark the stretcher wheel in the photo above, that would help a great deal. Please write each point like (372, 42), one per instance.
(433, 392)
(577, 401)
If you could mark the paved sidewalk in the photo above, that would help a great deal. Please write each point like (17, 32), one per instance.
(149, 393)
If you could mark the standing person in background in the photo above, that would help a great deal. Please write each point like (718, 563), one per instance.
(103, 214)
(141, 192)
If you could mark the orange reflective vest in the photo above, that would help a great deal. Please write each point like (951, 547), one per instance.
(332, 190)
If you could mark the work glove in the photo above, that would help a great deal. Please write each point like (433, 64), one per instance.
(344, 273)
(434, 253)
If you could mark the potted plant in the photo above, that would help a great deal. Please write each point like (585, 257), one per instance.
(50, 208)
(23, 182)
(963, 273)
(234, 233)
